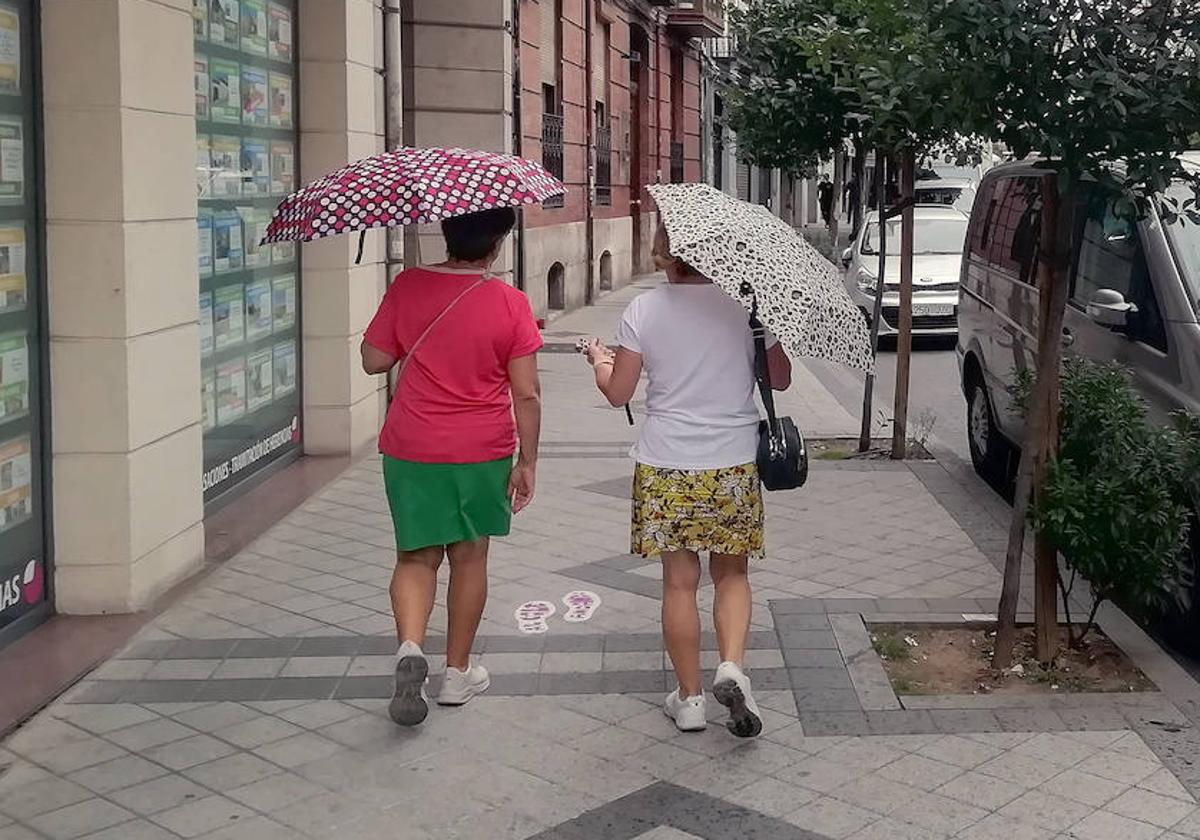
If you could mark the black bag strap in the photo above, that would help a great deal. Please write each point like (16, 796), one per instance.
(762, 372)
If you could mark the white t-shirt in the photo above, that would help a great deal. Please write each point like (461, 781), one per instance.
(698, 357)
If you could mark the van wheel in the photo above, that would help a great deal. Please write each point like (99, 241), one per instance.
(989, 451)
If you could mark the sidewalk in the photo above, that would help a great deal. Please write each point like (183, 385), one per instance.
(255, 707)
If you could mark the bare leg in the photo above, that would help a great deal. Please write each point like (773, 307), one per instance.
(732, 604)
(681, 617)
(466, 599)
(413, 590)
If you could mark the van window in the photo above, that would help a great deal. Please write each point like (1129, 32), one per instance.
(1111, 257)
(1016, 229)
(981, 221)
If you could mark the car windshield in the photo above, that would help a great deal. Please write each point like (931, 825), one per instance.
(930, 236)
(1184, 235)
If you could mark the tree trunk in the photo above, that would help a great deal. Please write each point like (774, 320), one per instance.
(908, 167)
(858, 198)
(864, 440)
(835, 209)
(1039, 442)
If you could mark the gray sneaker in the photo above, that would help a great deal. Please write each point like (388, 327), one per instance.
(732, 690)
(410, 705)
(460, 686)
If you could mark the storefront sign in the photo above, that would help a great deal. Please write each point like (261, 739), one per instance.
(228, 470)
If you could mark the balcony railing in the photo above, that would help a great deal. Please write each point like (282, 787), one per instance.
(603, 152)
(676, 163)
(697, 18)
(552, 151)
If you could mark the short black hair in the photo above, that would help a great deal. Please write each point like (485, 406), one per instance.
(474, 236)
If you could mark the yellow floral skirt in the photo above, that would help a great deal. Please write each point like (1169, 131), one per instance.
(705, 511)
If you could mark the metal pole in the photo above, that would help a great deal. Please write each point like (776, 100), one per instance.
(393, 107)
(864, 440)
(518, 133)
(589, 148)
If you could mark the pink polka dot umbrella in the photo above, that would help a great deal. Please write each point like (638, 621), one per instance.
(409, 186)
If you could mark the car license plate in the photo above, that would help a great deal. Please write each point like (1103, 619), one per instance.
(932, 309)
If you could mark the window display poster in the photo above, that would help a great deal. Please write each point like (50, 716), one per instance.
(279, 32)
(206, 324)
(227, 241)
(200, 19)
(204, 167)
(223, 22)
(208, 400)
(254, 26)
(283, 252)
(226, 169)
(283, 168)
(256, 167)
(260, 383)
(16, 476)
(13, 291)
(14, 376)
(229, 317)
(225, 103)
(285, 368)
(10, 50)
(231, 391)
(255, 104)
(258, 310)
(281, 100)
(12, 159)
(204, 245)
(283, 297)
(203, 86)
(254, 224)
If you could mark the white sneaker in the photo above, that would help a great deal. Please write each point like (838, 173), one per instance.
(460, 686)
(732, 690)
(410, 705)
(688, 713)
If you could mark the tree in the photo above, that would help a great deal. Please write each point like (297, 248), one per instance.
(1106, 92)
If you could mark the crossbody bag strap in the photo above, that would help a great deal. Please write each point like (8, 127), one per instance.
(421, 338)
(762, 372)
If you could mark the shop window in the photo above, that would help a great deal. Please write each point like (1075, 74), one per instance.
(23, 562)
(556, 288)
(246, 143)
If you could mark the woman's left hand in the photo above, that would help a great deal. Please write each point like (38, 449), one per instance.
(597, 352)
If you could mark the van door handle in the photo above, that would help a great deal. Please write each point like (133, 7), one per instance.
(1068, 337)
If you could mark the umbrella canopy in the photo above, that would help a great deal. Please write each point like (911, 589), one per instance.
(756, 257)
(409, 186)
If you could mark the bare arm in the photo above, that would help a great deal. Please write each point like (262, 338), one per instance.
(617, 375)
(779, 368)
(527, 407)
(375, 360)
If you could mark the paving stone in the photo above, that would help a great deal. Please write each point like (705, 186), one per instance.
(999, 827)
(833, 723)
(813, 659)
(939, 813)
(797, 606)
(79, 819)
(298, 749)
(158, 794)
(1103, 825)
(807, 640)
(263, 730)
(900, 723)
(1149, 807)
(1054, 813)
(826, 700)
(39, 797)
(571, 663)
(77, 755)
(118, 773)
(231, 771)
(240, 689)
(964, 720)
(274, 792)
(815, 678)
(302, 688)
(202, 816)
(316, 666)
(249, 668)
(981, 791)
(264, 648)
(1116, 767)
(1029, 720)
(831, 818)
(180, 755)
(216, 716)
(143, 736)
(162, 691)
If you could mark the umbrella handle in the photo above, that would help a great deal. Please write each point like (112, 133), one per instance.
(629, 414)
(362, 241)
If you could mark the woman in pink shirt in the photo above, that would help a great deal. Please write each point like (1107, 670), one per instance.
(466, 392)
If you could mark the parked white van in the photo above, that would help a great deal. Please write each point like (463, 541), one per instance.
(1134, 299)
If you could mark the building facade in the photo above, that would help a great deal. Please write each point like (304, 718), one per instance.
(156, 363)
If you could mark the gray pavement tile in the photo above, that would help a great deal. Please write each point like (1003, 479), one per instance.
(802, 621)
(118, 773)
(231, 771)
(849, 606)
(143, 736)
(997, 827)
(1083, 787)
(899, 722)
(983, 791)
(939, 813)
(763, 640)
(919, 771)
(511, 663)
(571, 663)
(960, 752)
(829, 817)
(902, 605)
(1104, 825)
(1045, 810)
(582, 643)
(38, 797)
(633, 661)
(813, 659)
(815, 678)
(514, 685)
(263, 730)
(318, 714)
(1030, 720)
(105, 691)
(796, 606)
(361, 731)
(386, 646)
(180, 755)
(234, 689)
(274, 792)
(102, 719)
(249, 668)
(807, 639)
(964, 720)
(1149, 807)
(200, 649)
(202, 816)
(216, 716)
(351, 688)
(158, 794)
(328, 646)
(264, 648)
(628, 682)
(77, 755)
(633, 642)
(182, 669)
(79, 819)
(163, 691)
(298, 749)
(157, 649)
(820, 724)
(570, 683)
(316, 666)
(826, 699)
(302, 688)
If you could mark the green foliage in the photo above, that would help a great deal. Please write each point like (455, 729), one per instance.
(1114, 500)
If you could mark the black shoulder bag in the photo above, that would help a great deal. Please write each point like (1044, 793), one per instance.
(782, 456)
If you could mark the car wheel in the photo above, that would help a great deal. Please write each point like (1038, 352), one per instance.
(989, 451)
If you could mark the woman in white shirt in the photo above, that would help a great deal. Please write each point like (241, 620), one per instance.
(696, 489)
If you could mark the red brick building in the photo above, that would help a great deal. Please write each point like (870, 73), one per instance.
(610, 99)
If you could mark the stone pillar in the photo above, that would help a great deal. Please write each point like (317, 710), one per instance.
(121, 265)
(341, 120)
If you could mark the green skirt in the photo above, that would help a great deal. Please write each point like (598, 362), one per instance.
(442, 504)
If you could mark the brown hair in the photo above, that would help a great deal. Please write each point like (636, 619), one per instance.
(664, 259)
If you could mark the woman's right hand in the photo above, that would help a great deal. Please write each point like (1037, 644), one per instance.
(597, 352)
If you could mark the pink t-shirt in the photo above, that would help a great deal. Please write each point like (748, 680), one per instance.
(454, 402)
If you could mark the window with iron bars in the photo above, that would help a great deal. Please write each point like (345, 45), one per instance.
(552, 151)
(676, 163)
(603, 153)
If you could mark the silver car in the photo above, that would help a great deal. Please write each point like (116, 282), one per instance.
(939, 234)
(1134, 299)
(958, 193)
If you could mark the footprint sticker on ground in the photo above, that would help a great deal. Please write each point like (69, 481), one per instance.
(532, 616)
(581, 605)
